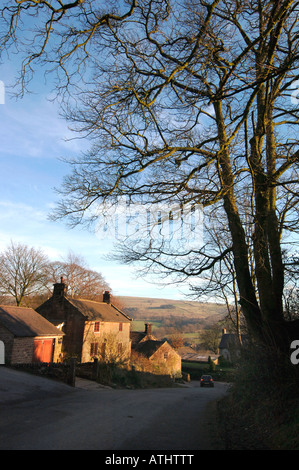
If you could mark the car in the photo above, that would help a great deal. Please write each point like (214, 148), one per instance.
(206, 380)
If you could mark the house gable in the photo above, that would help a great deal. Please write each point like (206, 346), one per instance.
(160, 353)
(230, 347)
(87, 324)
(22, 329)
(148, 347)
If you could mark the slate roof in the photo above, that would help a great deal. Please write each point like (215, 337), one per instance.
(99, 311)
(136, 337)
(189, 354)
(149, 347)
(23, 322)
(229, 340)
(139, 336)
(144, 343)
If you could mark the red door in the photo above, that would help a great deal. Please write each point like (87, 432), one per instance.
(42, 351)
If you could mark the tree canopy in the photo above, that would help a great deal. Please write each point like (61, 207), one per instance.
(27, 273)
(23, 271)
(183, 102)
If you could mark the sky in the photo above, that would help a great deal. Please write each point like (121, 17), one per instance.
(34, 138)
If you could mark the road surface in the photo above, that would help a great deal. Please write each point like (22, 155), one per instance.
(42, 414)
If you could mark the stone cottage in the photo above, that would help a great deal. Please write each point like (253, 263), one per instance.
(161, 354)
(28, 337)
(230, 347)
(92, 329)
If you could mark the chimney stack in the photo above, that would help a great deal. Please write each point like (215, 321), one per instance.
(60, 288)
(106, 297)
(148, 329)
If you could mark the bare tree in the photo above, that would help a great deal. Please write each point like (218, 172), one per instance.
(81, 281)
(291, 292)
(58, 33)
(176, 340)
(23, 271)
(187, 113)
(191, 102)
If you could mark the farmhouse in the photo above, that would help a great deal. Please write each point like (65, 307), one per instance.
(28, 337)
(159, 353)
(92, 329)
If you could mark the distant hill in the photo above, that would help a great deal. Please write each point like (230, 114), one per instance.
(148, 309)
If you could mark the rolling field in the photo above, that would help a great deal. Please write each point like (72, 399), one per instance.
(157, 311)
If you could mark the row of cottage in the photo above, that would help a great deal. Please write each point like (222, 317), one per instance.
(64, 327)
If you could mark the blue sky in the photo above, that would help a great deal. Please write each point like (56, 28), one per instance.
(33, 139)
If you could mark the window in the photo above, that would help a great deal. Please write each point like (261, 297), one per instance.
(96, 326)
(120, 327)
(120, 348)
(93, 349)
(103, 349)
(166, 355)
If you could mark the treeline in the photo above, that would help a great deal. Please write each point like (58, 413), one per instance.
(27, 276)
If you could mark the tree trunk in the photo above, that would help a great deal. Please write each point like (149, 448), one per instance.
(248, 299)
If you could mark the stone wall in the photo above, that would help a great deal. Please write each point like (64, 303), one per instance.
(167, 359)
(22, 351)
(61, 312)
(110, 343)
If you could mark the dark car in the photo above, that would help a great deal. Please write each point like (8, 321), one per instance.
(206, 381)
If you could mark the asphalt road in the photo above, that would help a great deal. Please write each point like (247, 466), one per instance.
(42, 414)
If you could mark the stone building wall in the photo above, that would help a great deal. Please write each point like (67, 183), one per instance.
(19, 350)
(65, 317)
(22, 351)
(167, 359)
(108, 341)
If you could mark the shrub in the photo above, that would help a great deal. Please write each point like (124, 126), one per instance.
(264, 400)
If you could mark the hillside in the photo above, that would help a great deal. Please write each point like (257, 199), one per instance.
(148, 309)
